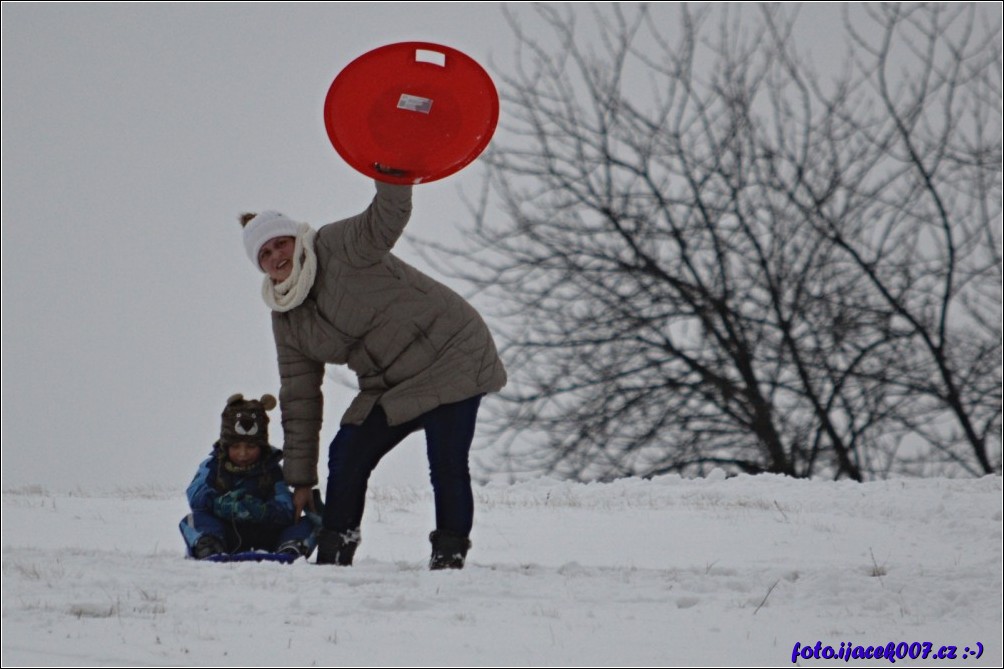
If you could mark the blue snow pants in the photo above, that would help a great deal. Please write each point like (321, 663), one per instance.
(239, 537)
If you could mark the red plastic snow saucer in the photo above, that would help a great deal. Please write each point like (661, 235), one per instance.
(421, 109)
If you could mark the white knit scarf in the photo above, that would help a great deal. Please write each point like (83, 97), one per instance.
(293, 291)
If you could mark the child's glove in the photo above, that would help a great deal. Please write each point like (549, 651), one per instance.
(252, 510)
(226, 506)
(240, 506)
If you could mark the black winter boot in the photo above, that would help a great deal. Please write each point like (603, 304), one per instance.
(337, 547)
(449, 550)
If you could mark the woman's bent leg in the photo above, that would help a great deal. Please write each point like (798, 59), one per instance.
(354, 453)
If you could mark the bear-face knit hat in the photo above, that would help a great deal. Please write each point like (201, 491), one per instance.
(246, 420)
(264, 227)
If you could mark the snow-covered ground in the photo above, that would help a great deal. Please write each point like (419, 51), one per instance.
(662, 572)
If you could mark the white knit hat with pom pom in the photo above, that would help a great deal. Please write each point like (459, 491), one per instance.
(264, 227)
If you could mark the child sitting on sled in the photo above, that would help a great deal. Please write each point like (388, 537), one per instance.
(239, 499)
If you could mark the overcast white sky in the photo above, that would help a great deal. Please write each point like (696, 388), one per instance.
(133, 134)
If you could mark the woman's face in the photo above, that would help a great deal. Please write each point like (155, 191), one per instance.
(276, 258)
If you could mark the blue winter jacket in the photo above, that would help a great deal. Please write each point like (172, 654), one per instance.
(262, 480)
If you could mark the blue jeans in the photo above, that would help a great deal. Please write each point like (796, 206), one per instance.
(356, 450)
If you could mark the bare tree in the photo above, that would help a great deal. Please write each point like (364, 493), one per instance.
(917, 210)
(712, 258)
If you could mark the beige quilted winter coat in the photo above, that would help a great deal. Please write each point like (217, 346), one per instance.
(413, 343)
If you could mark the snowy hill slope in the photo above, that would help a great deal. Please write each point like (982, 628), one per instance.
(661, 572)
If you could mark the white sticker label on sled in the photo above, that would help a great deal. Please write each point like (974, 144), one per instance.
(427, 56)
(414, 103)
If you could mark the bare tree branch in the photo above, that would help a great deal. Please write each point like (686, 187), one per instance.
(710, 255)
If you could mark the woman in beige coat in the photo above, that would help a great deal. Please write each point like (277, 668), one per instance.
(422, 354)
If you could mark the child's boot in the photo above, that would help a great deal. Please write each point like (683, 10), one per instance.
(207, 546)
(295, 548)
